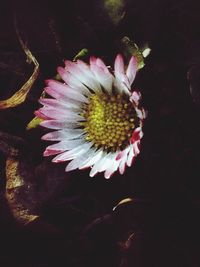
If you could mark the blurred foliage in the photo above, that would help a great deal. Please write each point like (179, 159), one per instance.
(115, 9)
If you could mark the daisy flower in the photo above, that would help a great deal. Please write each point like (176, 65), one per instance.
(96, 117)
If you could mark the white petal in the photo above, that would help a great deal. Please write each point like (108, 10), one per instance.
(104, 78)
(122, 165)
(84, 75)
(62, 87)
(101, 165)
(121, 87)
(73, 153)
(65, 94)
(121, 82)
(59, 95)
(58, 124)
(80, 157)
(71, 80)
(87, 157)
(136, 148)
(122, 160)
(113, 165)
(50, 102)
(55, 113)
(94, 157)
(63, 134)
(130, 156)
(135, 97)
(119, 66)
(73, 164)
(67, 91)
(132, 69)
(75, 95)
(140, 113)
(101, 64)
(62, 146)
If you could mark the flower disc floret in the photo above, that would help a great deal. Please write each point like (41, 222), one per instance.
(109, 121)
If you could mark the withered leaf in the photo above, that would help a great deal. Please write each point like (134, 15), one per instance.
(14, 181)
(20, 96)
(12, 147)
(123, 201)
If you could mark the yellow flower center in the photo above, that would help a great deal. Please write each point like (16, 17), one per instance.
(110, 121)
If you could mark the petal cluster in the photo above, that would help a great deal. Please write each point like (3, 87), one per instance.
(63, 113)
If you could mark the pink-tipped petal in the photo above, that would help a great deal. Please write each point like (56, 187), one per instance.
(65, 134)
(60, 91)
(57, 94)
(77, 156)
(121, 87)
(105, 79)
(62, 147)
(74, 164)
(136, 149)
(93, 60)
(54, 103)
(122, 165)
(101, 64)
(119, 65)
(122, 81)
(130, 156)
(99, 166)
(137, 135)
(40, 115)
(84, 75)
(135, 97)
(113, 166)
(71, 80)
(58, 124)
(54, 113)
(51, 152)
(76, 151)
(132, 69)
(122, 157)
(92, 159)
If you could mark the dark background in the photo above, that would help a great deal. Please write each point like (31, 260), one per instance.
(76, 225)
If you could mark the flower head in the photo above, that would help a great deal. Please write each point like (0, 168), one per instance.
(95, 115)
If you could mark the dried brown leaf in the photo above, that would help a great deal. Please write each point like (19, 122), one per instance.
(123, 201)
(20, 96)
(14, 181)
